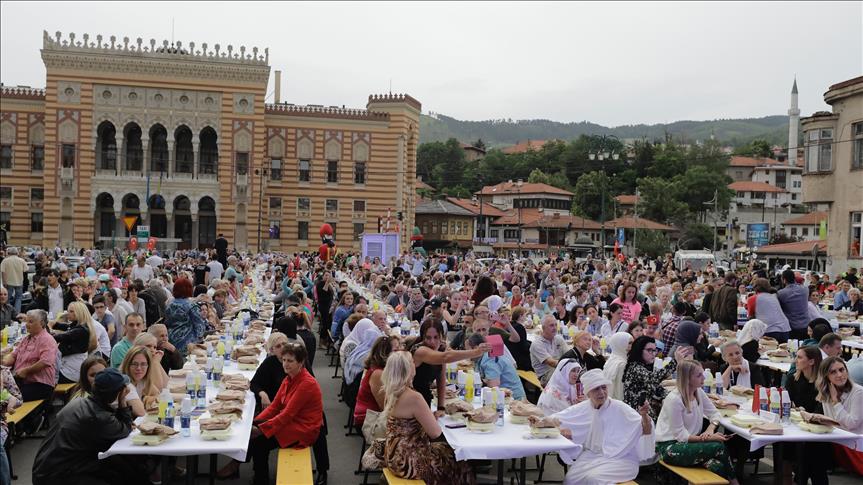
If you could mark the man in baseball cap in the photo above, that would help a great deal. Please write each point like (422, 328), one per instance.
(84, 428)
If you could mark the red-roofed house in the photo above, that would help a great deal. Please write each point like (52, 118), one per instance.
(800, 254)
(626, 203)
(472, 153)
(525, 146)
(514, 195)
(805, 227)
(483, 215)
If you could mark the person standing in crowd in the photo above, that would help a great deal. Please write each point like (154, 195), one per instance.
(325, 292)
(83, 429)
(723, 303)
(669, 327)
(12, 271)
(34, 359)
(183, 318)
(142, 271)
(765, 306)
(794, 301)
(221, 247)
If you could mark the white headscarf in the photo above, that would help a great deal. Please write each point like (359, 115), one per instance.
(559, 393)
(753, 330)
(356, 334)
(615, 364)
(355, 362)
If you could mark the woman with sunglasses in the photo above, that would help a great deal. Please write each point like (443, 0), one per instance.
(642, 382)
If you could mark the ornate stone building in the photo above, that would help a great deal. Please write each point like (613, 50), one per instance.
(181, 137)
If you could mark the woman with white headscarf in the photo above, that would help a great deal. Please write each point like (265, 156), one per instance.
(612, 437)
(561, 391)
(615, 364)
(355, 361)
(353, 340)
(749, 337)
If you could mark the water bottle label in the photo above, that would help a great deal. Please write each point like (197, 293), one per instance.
(169, 421)
(185, 422)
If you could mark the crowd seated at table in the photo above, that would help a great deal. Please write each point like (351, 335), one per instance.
(621, 351)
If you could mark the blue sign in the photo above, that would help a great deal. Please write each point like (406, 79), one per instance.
(757, 235)
(620, 236)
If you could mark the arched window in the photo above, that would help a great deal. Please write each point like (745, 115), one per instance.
(134, 148)
(106, 146)
(184, 155)
(209, 155)
(158, 149)
(105, 214)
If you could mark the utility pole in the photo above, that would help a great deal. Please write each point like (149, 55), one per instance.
(635, 230)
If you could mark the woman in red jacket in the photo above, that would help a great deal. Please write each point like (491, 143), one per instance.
(292, 420)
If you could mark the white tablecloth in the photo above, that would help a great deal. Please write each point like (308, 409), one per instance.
(792, 433)
(783, 367)
(505, 442)
(854, 344)
(178, 445)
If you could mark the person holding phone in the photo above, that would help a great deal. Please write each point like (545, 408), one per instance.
(679, 439)
(642, 382)
(496, 370)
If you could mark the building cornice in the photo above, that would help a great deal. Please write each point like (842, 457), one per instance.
(169, 60)
(326, 112)
(22, 93)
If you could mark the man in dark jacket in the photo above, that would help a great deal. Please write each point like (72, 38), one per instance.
(723, 303)
(84, 428)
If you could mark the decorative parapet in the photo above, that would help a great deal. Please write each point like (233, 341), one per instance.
(22, 92)
(395, 98)
(167, 50)
(326, 112)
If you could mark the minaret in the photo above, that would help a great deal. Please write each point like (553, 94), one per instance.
(793, 126)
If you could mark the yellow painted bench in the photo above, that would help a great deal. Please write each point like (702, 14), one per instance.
(531, 377)
(25, 409)
(694, 475)
(294, 467)
(392, 479)
(631, 482)
(63, 389)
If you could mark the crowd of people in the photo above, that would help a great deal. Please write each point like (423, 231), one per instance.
(603, 337)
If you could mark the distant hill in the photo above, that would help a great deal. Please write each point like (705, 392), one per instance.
(496, 133)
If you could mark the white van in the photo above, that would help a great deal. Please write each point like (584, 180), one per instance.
(695, 260)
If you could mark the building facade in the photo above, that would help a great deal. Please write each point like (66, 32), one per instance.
(179, 138)
(833, 171)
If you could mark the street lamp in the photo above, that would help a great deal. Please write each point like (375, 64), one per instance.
(262, 173)
(604, 151)
(518, 185)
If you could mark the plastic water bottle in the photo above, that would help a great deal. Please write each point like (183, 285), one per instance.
(477, 384)
(229, 345)
(718, 384)
(501, 398)
(217, 369)
(764, 405)
(786, 407)
(209, 367)
(186, 417)
(169, 414)
(190, 384)
(200, 390)
(708, 382)
(460, 383)
(775, 402)
(164, 398)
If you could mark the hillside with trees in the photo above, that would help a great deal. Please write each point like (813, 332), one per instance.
(498, 133)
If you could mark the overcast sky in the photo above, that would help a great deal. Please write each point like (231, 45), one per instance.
(610, 63)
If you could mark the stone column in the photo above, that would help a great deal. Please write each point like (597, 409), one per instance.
(171, 157)
(118, 166)
(169, 217)
(195, 230)
(120, 226)
(195, 145)
(145, 147)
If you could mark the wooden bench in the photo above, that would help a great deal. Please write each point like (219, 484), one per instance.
(695, 476)
(631, 482)
(23, 411)
(392, 479)
(63, 390)
(530, 377)
(294, 467)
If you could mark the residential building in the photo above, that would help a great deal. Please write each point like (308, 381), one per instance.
(484, 214)
(628, 224)
(178, 137)
(472, 153)
(520, 195)
(833, 171)
(525, 146)
(626, 203)
(806, 227)
(445, 225)
(808, 255)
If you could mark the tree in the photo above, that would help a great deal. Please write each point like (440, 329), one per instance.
(458, 191)
(696, 236)
(659, 201)
(443, 163)
(698, 186)
(669, 160)
(558, 179)
(651, 243)
(758, 148)
(479, 144)
(590, 192)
